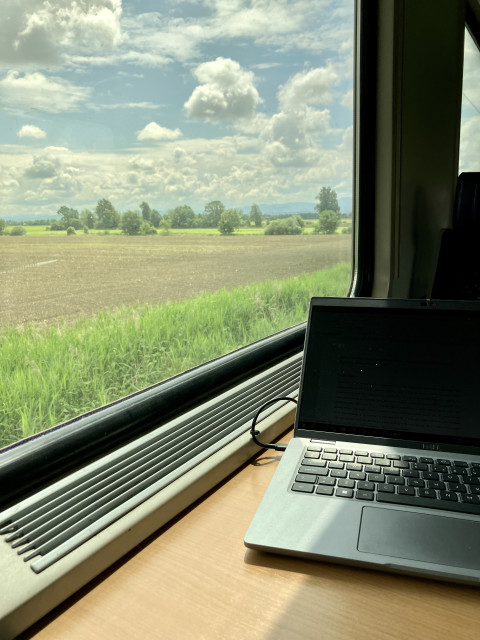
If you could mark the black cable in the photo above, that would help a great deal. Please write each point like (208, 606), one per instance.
(254, 433)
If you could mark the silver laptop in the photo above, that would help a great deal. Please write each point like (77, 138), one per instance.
(383, 470)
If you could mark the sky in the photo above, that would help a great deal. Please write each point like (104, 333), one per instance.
(171, 102)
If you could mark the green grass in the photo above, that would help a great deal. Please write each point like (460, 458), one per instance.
(49, 375)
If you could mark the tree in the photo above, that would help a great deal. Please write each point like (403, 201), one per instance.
(213, 212)
(70, 231)
(285, 227)
(146, 211)
(327, 222)
(3, 224)
(87, 218)
(255, 216)
(155, 218)
(182, 217)
(70, 217)
(147, 230)
(108, 217)
(229, 221)
(327, 200)
(131, 223)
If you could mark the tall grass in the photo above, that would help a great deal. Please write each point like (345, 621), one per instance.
(49, 375)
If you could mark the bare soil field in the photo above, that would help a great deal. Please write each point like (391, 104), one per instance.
(45, 279)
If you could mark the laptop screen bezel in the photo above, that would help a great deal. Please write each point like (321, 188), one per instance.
(376, 436)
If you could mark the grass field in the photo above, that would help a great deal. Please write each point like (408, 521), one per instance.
(87, 319)
(51, 374)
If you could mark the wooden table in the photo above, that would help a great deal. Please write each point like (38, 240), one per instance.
(195, 579)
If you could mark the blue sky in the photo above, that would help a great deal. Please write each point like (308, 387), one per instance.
(173, 102)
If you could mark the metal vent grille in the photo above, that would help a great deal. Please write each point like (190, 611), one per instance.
(51, 524)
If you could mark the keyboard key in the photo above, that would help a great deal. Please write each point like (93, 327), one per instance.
(376, 477)
(324, 491)
(362, 454)
(346, 452)
(450, 477)
(330, 450)
(426, 460)
(338, 473)
(461, 471)
(372, 468)
(470, 480)
(455, 486)
(439, 468)
(350, 484)
(395, 480)
(469, 499)
(431, 475)
(444, 461)
(364, 495)
(462, 463)
(313, 470)
(365, 486)
(411, 474)
(354, 467)
(416, 501)
(474, 490)
(415, 482)
(406, 491)
(336, 465)
(436, 484)
(383, 463)
(326, 481)
(312, 454)
(344, 493)
(304, 477)
(314, 447)
(357, 475)
(377, 455)
(329, 456)
(303, 488)
(448, 495)
(401, 464)
(314, 463)
(386, 488)
(427, 493)
(393, 456)
(420, 466)
(409, 458)
(346, 458)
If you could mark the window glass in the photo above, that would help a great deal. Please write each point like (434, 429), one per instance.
(470, 128)
(176, 182)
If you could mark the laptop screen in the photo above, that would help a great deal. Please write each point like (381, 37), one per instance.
(392, 369)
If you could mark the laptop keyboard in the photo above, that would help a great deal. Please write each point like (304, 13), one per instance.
(435, 483)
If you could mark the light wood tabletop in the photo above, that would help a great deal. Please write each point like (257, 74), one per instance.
(195, 579)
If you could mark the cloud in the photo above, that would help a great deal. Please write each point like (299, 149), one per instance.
(41, 32)
(42, 167)
(37, 91)
(155, 132)
(308, 87)
(226, 91)
(31, 131)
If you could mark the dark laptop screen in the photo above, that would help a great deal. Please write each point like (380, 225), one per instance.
(401, 369)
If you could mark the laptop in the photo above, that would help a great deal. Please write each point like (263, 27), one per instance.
(383, 470)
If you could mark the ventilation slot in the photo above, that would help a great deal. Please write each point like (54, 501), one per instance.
(46, 527)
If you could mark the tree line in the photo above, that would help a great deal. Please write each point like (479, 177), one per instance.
(215, 215)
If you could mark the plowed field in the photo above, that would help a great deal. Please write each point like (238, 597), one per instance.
(45, 278)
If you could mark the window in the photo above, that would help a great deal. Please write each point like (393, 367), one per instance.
(470, 128)
(165, 172)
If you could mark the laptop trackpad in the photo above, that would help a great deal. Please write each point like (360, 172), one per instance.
(439, 539)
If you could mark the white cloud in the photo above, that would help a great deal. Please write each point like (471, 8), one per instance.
(470, 144)
(41, 32)
(37, 91)
(155, 132)
(226, 91)
(308, 87)
(31, 131)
